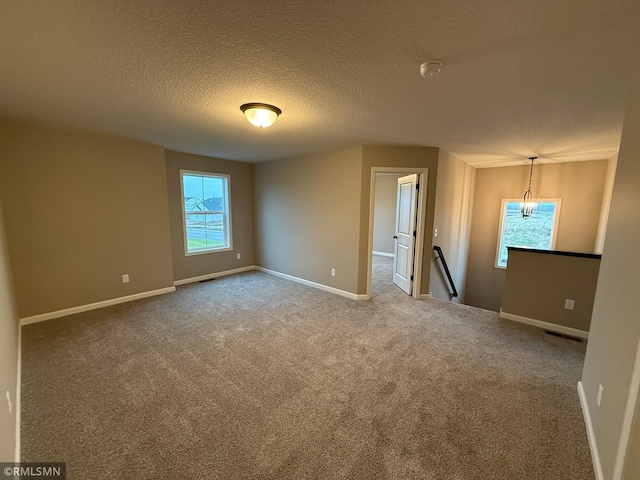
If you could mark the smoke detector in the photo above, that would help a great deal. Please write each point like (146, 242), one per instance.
(431, 68)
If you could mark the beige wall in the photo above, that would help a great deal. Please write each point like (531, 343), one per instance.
(580, 185)
(241, 186)
(307, 217)
(402, 157)
(537, 285)
(8, 355)
(80, 210)
(452, 219)
(384, 213)
(614, 343)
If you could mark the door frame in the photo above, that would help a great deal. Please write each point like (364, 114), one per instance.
(423, 177)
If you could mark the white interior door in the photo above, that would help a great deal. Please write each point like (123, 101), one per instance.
(405, 239)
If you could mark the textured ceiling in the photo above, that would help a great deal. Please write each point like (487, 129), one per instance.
(520, 77)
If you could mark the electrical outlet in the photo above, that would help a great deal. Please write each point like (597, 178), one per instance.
(238, 256)
(333, 272)
(599, 397)
(569, 304)
(9, 402)
(125, 278)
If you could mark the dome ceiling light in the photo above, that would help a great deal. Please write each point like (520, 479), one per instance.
(260, 114)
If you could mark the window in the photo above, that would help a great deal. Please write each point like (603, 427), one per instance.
(206, 212)
(537, 231)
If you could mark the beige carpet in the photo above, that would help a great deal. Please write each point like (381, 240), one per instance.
(255, 377)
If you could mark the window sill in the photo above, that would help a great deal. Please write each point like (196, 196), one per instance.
(203, 252)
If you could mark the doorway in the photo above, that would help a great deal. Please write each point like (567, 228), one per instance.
(396, 237)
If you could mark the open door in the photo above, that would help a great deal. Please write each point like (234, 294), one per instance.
(405, 237)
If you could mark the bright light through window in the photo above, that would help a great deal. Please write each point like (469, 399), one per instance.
(206, 212)
(538, 231)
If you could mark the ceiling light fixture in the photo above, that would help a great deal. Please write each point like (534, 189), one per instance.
(260, 114)
(528, 202)
(431, 68)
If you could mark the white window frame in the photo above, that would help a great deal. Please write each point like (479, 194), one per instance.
(226, 214)
(554, 231)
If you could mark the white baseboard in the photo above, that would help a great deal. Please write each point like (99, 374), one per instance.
(595, 456)
(93, 306)
(545, 325)
(309, 283)
(383, 254)
(209, 276)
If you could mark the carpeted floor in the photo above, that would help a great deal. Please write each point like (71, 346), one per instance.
(255, 377)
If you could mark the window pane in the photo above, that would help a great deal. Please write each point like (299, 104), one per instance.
(213, 194)
(533, 232)
(215, 230)
(196, 232)
(205, 231)
(192, 187)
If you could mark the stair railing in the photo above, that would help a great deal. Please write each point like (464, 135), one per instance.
(440, 255)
